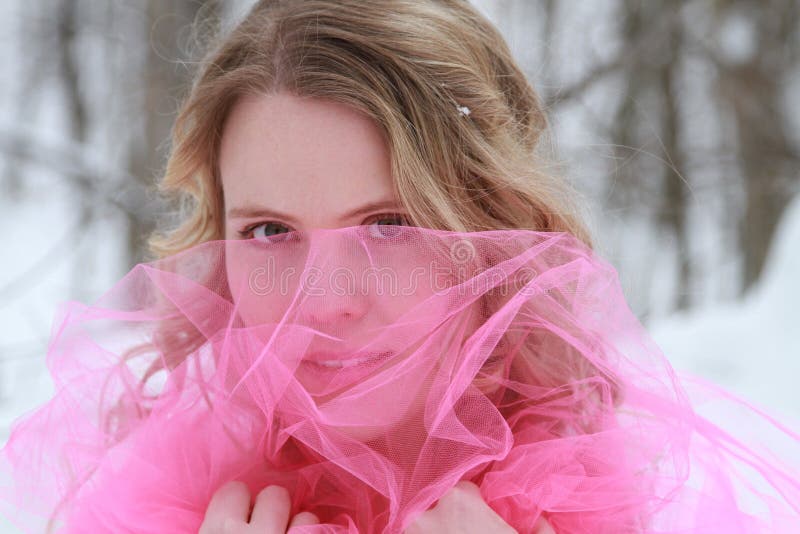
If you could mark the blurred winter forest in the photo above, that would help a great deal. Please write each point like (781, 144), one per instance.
(679, 120)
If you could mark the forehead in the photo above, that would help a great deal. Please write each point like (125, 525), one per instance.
(284, 146)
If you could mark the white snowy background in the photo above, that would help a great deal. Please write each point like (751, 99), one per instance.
(64, 189)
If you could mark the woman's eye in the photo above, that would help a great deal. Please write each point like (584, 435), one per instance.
(272, 232)
(386, 227)
(383, 227)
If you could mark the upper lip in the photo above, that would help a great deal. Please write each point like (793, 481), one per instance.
(328, 356)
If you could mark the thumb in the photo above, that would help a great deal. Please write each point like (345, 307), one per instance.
(304, 518)
(543, 527)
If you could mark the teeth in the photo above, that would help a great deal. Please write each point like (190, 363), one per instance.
(337, 364)
(342, 363)
(331, 363)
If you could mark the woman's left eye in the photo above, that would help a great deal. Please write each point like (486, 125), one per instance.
(385, 226)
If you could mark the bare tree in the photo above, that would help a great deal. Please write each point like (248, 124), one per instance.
(170, 55)
(751, 87)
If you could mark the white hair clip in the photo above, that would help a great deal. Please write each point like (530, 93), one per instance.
(463, 110)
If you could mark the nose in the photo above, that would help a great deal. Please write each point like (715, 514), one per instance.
(332, 293)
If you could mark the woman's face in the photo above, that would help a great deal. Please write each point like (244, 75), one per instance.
(290, 163)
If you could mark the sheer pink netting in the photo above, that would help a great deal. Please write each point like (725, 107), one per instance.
(368, 370)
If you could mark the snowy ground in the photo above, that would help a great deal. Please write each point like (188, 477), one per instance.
(751, 347)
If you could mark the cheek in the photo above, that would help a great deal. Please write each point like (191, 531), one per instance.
(262, 286)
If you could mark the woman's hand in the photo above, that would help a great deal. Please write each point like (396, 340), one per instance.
(229, 511)
(463, 510)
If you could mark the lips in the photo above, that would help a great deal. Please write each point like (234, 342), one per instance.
(334, 360)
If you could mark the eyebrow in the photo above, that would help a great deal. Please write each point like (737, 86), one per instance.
(246, 212)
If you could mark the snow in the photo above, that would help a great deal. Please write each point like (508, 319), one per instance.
(750, 347)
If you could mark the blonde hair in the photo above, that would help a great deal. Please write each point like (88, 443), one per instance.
(463, 125)
(467, 134)
(413, 67)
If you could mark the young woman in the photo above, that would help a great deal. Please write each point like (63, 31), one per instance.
(288, 164)
(347, 113)
(380, 312)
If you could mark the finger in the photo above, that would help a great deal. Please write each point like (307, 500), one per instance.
(463, 492)
(469, 487)
(304, 518)
(231, 501)
(465, 507)
(543, 527)
(424, 522)
(271, 510)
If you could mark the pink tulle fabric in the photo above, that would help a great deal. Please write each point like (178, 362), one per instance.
(369, 369)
